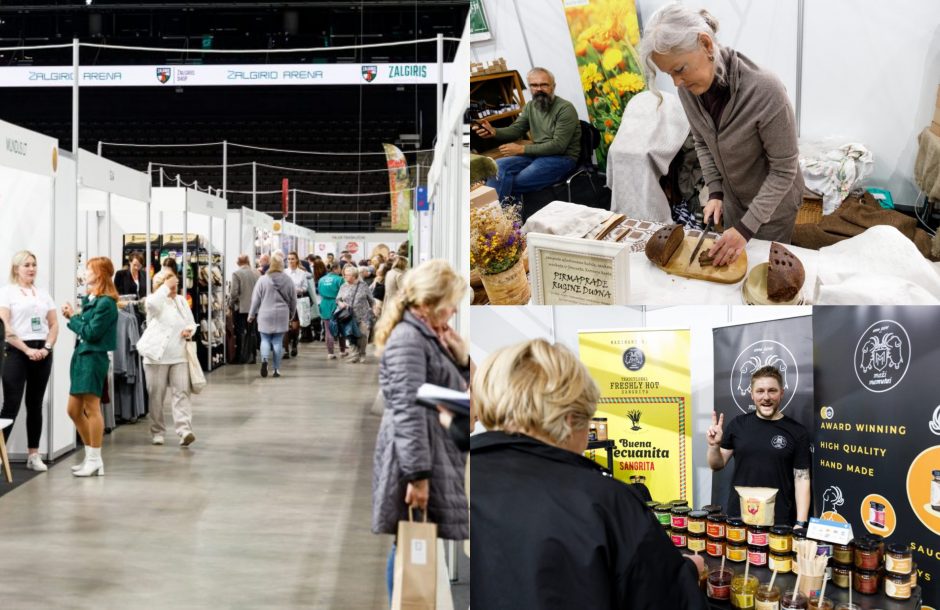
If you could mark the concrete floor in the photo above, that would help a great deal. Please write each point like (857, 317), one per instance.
(270, 508)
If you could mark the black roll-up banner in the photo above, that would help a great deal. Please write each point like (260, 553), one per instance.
(877, 460)
(742, 349)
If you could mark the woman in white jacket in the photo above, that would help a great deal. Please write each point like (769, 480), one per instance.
(170, 324)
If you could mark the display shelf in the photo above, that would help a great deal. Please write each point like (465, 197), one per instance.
(607, 445)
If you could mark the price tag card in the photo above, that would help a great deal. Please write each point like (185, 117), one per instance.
(829, 531)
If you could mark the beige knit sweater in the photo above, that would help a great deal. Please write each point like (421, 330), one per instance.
(752, 156)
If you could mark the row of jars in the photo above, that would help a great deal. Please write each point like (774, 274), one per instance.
(865, 565)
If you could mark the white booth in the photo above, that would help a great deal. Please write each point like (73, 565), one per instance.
(37, 201)
(245, 233)
(114, 208)
(192, 227)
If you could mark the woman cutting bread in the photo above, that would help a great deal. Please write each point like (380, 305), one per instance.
(742, 124)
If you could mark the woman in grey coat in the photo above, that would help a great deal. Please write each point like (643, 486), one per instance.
(417, 463)
(273, 303)
(357, 294)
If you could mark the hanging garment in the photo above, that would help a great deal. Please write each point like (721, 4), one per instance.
(128, 397)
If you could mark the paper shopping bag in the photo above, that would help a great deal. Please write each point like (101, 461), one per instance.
(415, 585)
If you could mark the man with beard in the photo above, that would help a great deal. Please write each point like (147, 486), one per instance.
(770, 450)
(556, 140)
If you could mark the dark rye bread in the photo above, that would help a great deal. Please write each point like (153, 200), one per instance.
(705, 260)
(785, 274)
(664, 243)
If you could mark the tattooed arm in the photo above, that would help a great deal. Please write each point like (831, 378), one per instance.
(802, 492)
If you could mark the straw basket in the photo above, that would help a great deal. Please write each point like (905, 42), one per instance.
(511, 287)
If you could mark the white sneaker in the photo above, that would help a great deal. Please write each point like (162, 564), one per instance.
(34, 462)
(157, 439)
(331, 356)
(187, 439)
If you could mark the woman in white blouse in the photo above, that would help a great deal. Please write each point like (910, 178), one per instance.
(29, 314)
(170, 324)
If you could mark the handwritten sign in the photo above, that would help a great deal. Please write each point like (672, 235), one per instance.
(570, 271)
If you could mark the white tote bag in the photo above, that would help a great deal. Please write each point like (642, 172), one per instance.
(197, 380)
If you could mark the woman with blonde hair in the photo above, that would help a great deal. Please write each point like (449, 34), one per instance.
(29, 316)
(95, 327)
(273, 304)
(170, 325)
(568, 535)
(417, 464)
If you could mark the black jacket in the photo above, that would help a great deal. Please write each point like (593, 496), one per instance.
(552, 531)
(125, 283)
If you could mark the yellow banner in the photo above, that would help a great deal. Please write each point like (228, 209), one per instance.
(399, 186)
(646, 394)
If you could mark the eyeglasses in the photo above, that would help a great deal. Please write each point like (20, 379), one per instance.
(539, 85)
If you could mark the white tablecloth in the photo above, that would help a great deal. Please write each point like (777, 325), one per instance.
(650, 285)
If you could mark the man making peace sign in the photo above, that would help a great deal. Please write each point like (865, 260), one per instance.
(770, 450)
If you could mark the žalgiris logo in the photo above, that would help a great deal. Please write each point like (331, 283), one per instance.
(408, 70)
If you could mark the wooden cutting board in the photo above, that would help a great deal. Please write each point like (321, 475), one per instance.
(679, 264)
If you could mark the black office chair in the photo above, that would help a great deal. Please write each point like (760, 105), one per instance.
(590, 140)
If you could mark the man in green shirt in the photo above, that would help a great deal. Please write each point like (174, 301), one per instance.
(556, 136)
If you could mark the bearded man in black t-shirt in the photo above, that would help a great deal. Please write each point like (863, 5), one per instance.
(770, 450)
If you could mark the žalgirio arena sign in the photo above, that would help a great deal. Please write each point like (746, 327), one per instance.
(225, 75)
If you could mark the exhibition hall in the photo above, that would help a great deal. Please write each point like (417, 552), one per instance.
(226, 231)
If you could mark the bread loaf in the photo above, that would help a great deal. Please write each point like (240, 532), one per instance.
(664, 243)
(785, 274)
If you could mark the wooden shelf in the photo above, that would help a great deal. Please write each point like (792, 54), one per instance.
(502, 115)
(499, 87)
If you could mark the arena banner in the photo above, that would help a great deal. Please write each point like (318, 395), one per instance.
(605, 34)
(742, 349)
(877, 460)
(223, 75)
(400, 187)
(646, 390)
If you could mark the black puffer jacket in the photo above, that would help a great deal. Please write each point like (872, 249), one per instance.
(412, 444)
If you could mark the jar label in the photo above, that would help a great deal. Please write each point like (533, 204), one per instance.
(680, 522)
(737, 534)
(757, 538)
(897, 591)
(737, 554)
(781, 565)
(780, 544)
(898, 566)
(678, 540)
(744, 600)
(696, 527)
(715, 549)
(716, 530)
(719, 591)
(767, 605)
(757, 558)
(696, 544)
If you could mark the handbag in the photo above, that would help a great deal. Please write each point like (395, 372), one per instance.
(197, 380)
(346, 314)
(415, 583)
(304, 311)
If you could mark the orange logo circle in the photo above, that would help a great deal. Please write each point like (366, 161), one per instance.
(920, 480)
(878, 515)
(832, 516)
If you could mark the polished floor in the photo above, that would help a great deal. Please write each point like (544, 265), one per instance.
(270, 508)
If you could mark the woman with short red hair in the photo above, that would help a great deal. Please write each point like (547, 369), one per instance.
(96, 329)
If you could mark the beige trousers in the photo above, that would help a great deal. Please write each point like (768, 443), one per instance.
(173, 377)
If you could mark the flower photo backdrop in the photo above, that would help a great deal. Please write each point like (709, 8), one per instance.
(605, 34)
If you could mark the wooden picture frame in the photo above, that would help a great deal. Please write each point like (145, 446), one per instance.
(573, 271)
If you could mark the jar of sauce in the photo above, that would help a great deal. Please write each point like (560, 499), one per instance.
(663, 514)
(781, 539)
(793, 600)
(865, 581)
(712, 509)
(715, 525)
(757, 556)
(767, 597)
(735, 530)
(735, 552)
(679, 537)
(592, 431)
(743, 590)
(652, 504)
(842, 575)
(715, 547)
(898, 559)
(913, 576)
(697, 522)
(843, 553)
(680, 517)
(898, 586)
(676, 503)
(696, 543)
(880, 544)
(866, 554)
(781, 562)
(719, 583)
(758, 535)
(600, 425)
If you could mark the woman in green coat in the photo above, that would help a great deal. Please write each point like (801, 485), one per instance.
(96, 330)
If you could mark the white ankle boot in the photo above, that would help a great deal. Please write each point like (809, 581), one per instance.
(78, 467)
(93, 464)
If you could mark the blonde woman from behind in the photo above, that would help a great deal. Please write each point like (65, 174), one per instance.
(417, 464)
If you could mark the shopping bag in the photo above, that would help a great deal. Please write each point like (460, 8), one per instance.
(197, 380)
(415, 584)
(304, 311)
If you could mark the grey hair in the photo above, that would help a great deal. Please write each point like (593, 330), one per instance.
(676, 28)
(543, 70)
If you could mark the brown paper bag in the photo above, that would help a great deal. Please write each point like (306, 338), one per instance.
(415, 585)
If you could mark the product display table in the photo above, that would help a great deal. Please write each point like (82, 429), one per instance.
(865, 602)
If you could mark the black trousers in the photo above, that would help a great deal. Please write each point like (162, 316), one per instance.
(241, 327)
(20, 374)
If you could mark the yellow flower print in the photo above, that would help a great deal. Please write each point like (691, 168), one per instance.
(612, 58)
(589, 76)
(627, 82)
